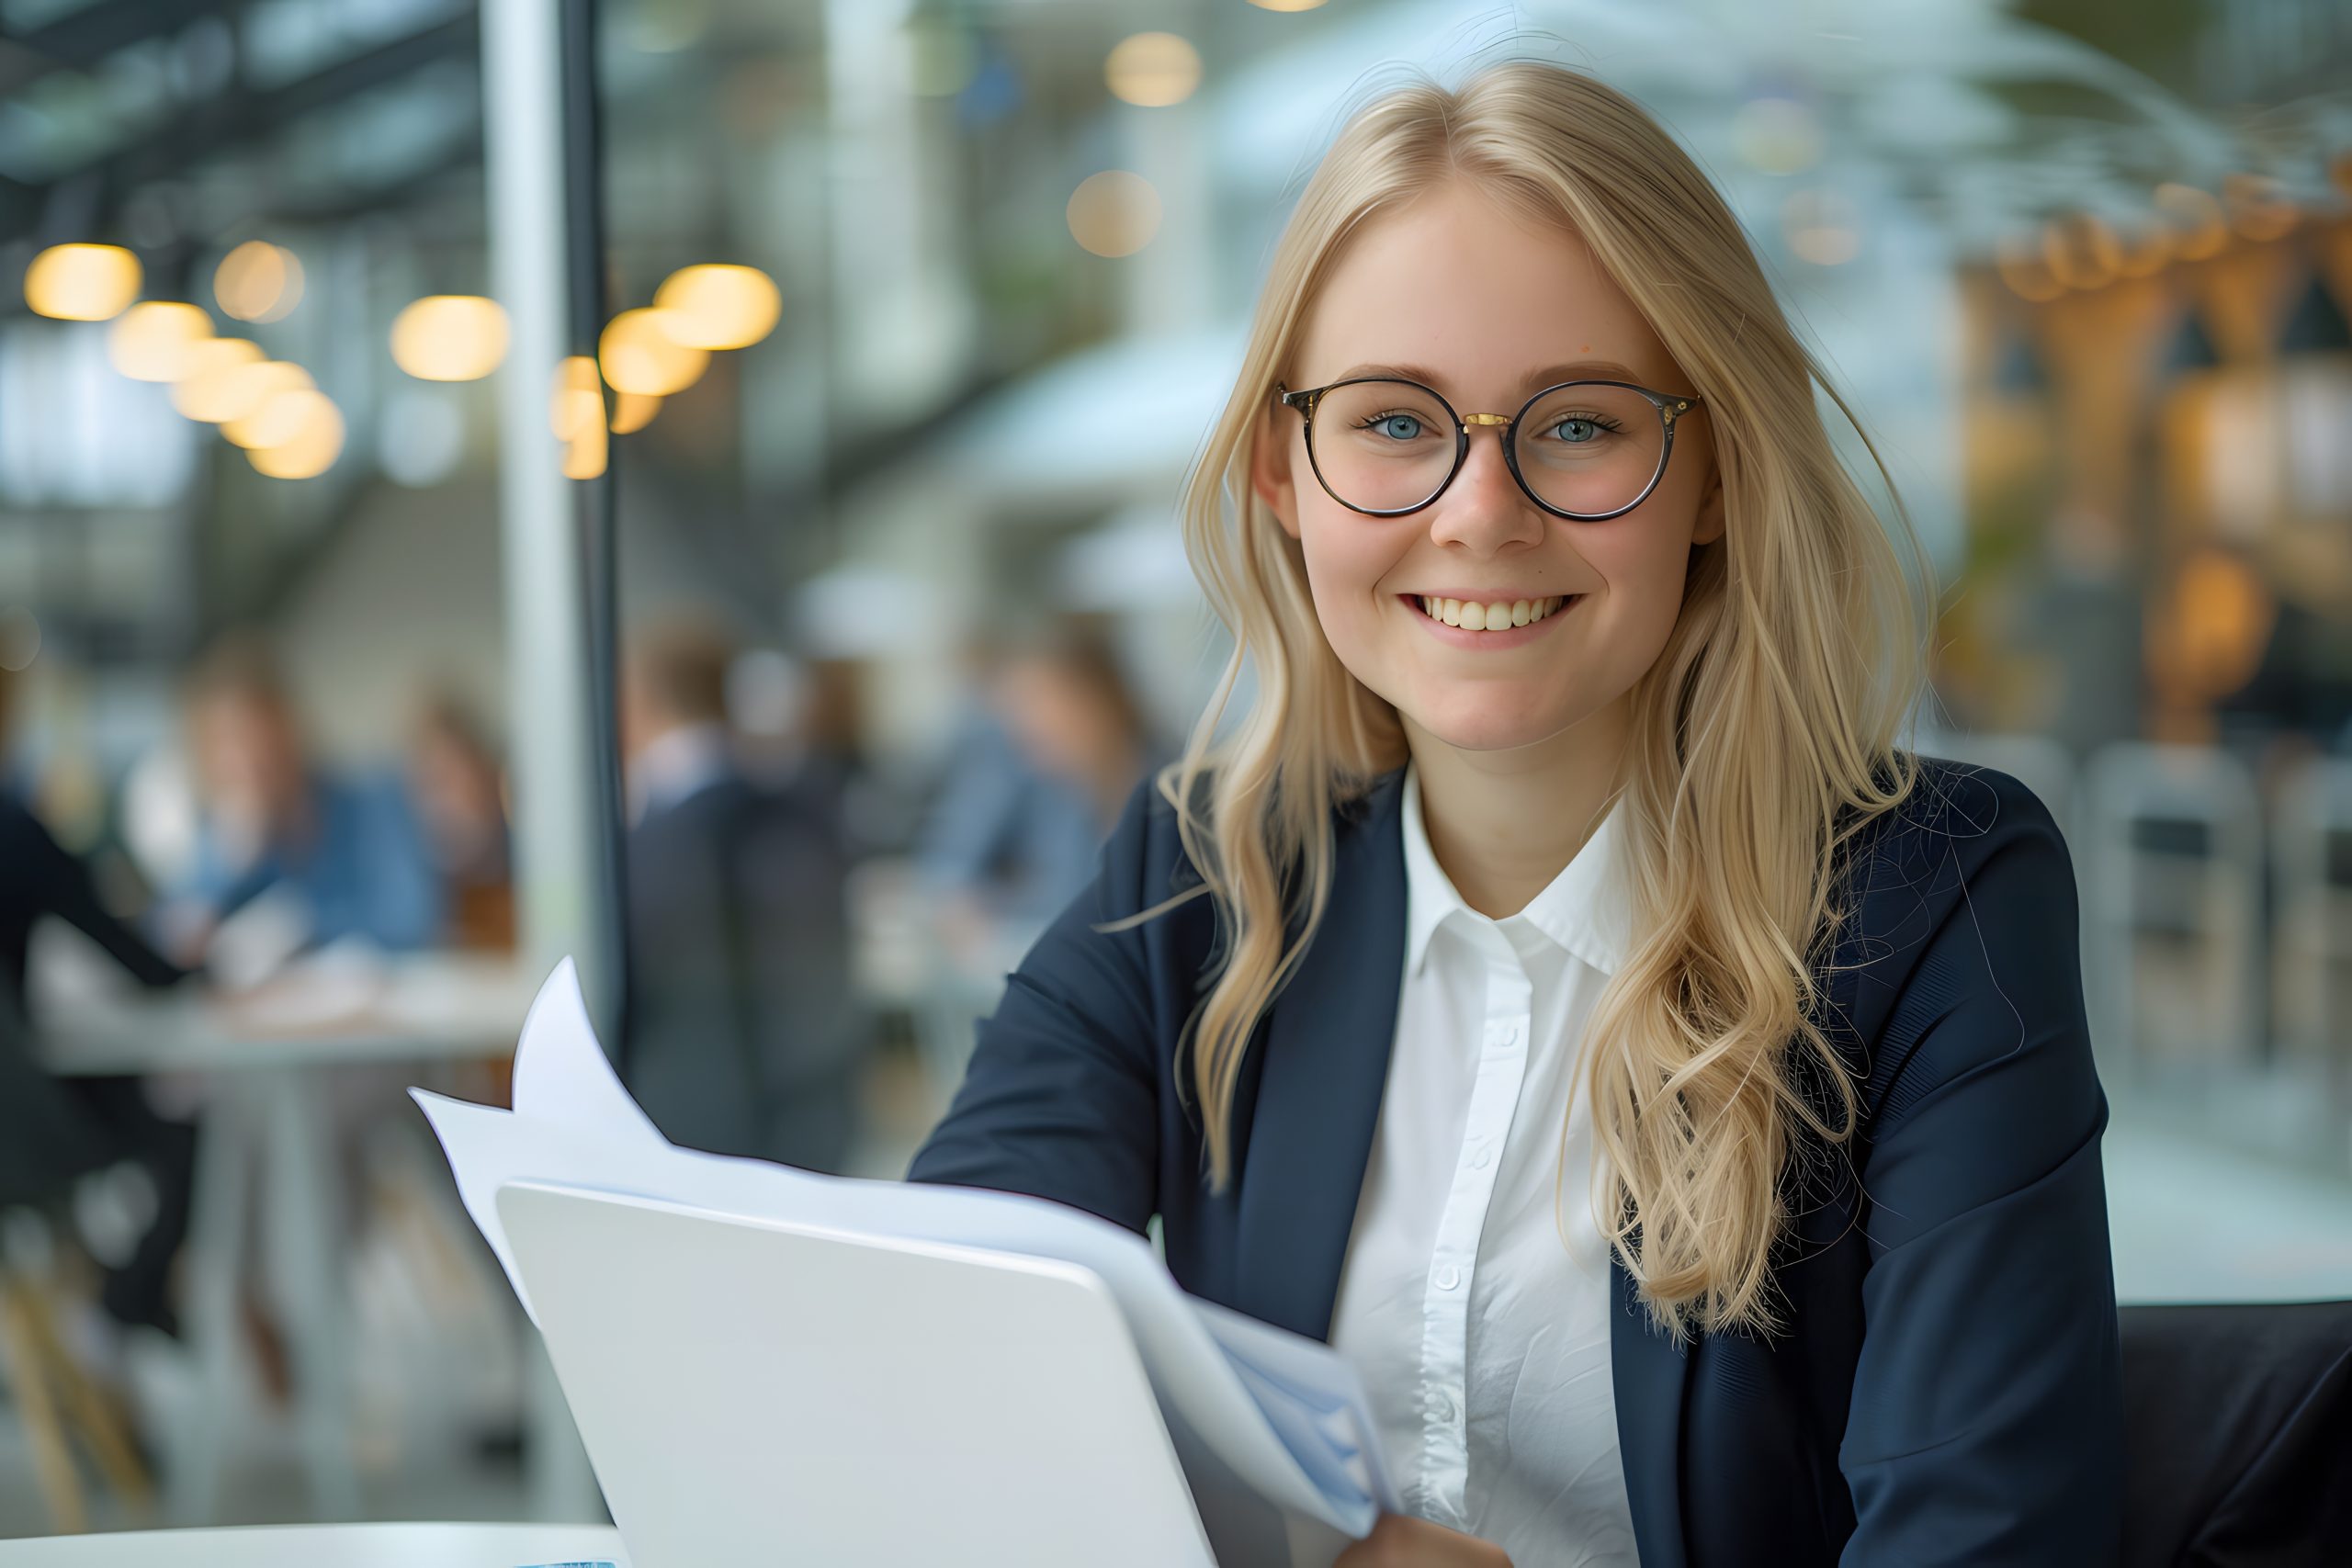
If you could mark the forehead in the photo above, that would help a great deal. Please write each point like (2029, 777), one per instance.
(1481, 296)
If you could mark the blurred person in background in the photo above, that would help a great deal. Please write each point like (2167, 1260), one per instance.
(741, 1034)
(1033, 783)
(345, 850)
(53, 1132)
(461, 797)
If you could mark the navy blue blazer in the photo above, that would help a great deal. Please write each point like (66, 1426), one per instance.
(1949, 1389)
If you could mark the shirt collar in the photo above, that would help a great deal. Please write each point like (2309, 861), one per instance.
(1583, 910)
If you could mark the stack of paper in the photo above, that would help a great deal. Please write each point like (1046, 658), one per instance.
(1285, 1414)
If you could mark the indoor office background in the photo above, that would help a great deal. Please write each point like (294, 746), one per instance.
(864, 549)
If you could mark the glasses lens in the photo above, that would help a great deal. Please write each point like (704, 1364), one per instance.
(1380, 445)
(1590, 448)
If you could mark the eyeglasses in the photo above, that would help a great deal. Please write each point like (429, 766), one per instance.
(1584, 450)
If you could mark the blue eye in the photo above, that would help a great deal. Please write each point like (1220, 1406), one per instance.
(1593, 429)
(1395, 419)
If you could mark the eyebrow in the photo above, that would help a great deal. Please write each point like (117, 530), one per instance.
(1550, 375)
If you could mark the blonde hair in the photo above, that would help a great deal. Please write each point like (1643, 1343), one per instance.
(1765, 736)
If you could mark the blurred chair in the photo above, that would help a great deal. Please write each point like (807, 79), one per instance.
(2237, 1436)
(2311, 858)
(56, 1401)
(2171, 856)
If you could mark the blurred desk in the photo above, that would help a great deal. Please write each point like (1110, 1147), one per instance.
(344, 1546)
(266, 1053)
(406, 1009)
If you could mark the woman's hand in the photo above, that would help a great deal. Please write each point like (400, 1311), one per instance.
(1401, 1542)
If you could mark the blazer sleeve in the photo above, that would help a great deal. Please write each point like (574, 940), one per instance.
(1986, 1422)
(1060, 1099)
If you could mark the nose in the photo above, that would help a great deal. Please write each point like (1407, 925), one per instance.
(1484, 509)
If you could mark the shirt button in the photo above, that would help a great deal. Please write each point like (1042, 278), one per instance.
(1448, 1275)
(1481, 1158)
(1508, 1034)
(1441, 1406)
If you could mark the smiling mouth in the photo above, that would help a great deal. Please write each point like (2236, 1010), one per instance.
(1500, 616)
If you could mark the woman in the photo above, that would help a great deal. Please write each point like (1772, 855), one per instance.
(1673, 1095)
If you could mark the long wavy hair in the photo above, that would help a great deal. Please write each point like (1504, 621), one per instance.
(1766, 734)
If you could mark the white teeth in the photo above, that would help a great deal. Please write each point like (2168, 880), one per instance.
(1471, 616)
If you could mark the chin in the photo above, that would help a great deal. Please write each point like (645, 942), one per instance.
(1496, 725)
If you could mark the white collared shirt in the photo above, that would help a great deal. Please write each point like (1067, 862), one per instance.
(1481, 1332)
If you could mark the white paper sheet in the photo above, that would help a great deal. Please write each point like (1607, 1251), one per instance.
(1292, 1420)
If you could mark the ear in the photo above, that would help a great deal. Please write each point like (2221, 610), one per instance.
(1709, 525)
(1270, 467)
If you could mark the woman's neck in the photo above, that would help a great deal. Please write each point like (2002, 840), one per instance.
(1502, 824)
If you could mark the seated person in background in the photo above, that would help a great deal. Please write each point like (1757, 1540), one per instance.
(348, 849)
(1033, 783)
(460, 799)
(741, 1032)
(55, 1131)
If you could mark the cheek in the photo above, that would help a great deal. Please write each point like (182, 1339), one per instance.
(1345, 567)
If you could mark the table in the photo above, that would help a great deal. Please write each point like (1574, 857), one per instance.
(266, 1052)
(315, 1546)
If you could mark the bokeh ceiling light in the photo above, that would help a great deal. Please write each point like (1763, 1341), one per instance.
(2021, 267)
(638, 354)
(316, 441)
(208, 392)
(1153, 70)
(1113, 213)
(450, 337)
(632, 412)
(2258, 206)
(1821, 227)
(1286, 5)
(1780, 136)
(258, 282)
(154, 339)
(2198, 230)
(269, 417)
(82, 283)
(718, 307)
(2081, 252)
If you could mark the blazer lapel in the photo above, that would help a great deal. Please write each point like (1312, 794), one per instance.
(1648, 1375)
(1326, 1061)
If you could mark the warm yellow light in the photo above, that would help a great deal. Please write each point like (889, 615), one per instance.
(2021, 267)
(209, 391)
(716, 306)
(258, 282)
(450, 337)
(82, 283)
(632, 412)
(2259, 207)
(577, 398)
(1821, 227)
(269, 417)
(583, 455)
(639, 354)
(1153, 70)
(153, 340)
(1285, 4)
(2196, 216)
(2080, 251)
(1113, 213)
(316, 441)
(244, 390)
